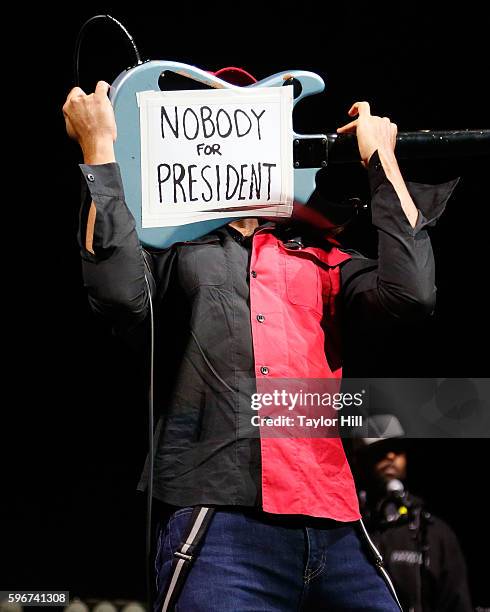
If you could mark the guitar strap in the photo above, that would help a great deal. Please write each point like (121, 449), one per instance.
(185, 555)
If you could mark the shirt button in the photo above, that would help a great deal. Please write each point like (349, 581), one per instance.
(260, 318)
(264, 370)
(254, 273)
(91, 177)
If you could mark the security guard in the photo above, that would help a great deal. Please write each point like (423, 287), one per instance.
(421, 552)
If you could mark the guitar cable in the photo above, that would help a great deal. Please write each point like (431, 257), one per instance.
(81, 36)
(149, 496)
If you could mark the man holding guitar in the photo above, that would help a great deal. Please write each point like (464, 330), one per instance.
(252, 301)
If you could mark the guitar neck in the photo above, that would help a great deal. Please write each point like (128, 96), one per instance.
(426, 144)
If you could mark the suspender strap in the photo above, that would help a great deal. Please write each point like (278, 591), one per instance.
(186, 553)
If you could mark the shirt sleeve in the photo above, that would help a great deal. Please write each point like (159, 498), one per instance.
(117, 275)
(400, 283)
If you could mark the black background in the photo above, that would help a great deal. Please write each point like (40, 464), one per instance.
(73, 519)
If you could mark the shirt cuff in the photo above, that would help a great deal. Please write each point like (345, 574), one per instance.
(430, 200)
(103, 179)
(376, 173)
(101, 184)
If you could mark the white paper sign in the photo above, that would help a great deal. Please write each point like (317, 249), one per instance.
(205, 152)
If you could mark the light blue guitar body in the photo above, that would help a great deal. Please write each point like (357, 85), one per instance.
(145, 77)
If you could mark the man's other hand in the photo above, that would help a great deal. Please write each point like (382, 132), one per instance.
(373, 133)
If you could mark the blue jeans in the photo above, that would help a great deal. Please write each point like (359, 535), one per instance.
(251, 561)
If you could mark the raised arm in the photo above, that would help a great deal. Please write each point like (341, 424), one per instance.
(401, 282)
(113, 262)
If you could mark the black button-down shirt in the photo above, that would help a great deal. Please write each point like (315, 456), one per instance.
(203, 335)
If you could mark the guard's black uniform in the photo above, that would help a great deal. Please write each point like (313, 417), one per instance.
(424, 559)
